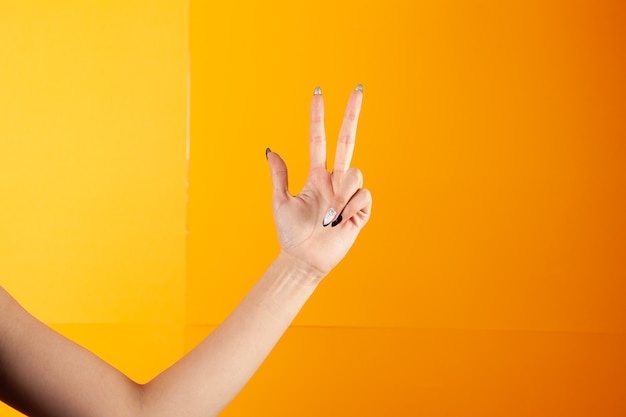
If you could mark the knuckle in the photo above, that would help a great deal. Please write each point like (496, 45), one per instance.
(352, 115)
(340, 201)
(317, 117)
(346, 138)
(367, 195)
(356, 176)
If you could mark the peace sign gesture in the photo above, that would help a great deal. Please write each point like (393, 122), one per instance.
(319, 225)
(45, 374)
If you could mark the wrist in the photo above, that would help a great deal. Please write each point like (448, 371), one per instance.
(299, 269)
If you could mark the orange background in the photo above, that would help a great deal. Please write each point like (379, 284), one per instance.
(491, 278)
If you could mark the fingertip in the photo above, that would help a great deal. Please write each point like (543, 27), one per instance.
(367, 208)
(274, 160)
(278, 172)
(356, 97)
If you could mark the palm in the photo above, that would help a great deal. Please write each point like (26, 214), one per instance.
(299, 218)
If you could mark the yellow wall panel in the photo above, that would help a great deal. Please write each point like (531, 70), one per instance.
(93, 131)
(93, 126)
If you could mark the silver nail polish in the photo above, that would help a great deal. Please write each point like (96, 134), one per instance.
(330, 215)
(359, 88)
(318, 91)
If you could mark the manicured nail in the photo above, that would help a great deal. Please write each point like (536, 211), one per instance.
(359, 88)
(330, 215)
(318, 91)
(267, 152)
(337, 221)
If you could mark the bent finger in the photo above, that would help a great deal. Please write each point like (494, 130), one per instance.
(357, 211)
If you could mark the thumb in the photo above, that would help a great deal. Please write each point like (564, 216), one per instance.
(278, 171)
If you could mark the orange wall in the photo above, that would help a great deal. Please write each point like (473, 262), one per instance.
(492, 138)
(491, 279)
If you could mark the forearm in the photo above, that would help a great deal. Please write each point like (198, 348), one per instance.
(207, 378)
(45, 374)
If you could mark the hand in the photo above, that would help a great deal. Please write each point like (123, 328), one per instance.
(306, 229)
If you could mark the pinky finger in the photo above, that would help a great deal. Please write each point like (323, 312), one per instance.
(358, 209)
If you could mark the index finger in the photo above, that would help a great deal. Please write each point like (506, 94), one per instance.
(347, 134)
(317, 133)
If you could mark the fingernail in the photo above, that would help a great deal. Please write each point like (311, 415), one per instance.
(267, 152)
(318, 91)
(337, 221)
(330, 215)
(359, 88)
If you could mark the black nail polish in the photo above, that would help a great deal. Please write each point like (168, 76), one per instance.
(267, 151)
(337, 221)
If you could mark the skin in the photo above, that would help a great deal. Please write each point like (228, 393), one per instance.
(43, 374)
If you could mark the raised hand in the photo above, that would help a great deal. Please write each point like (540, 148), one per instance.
(318, 226)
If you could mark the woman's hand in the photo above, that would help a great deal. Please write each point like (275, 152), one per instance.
(318, 226)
